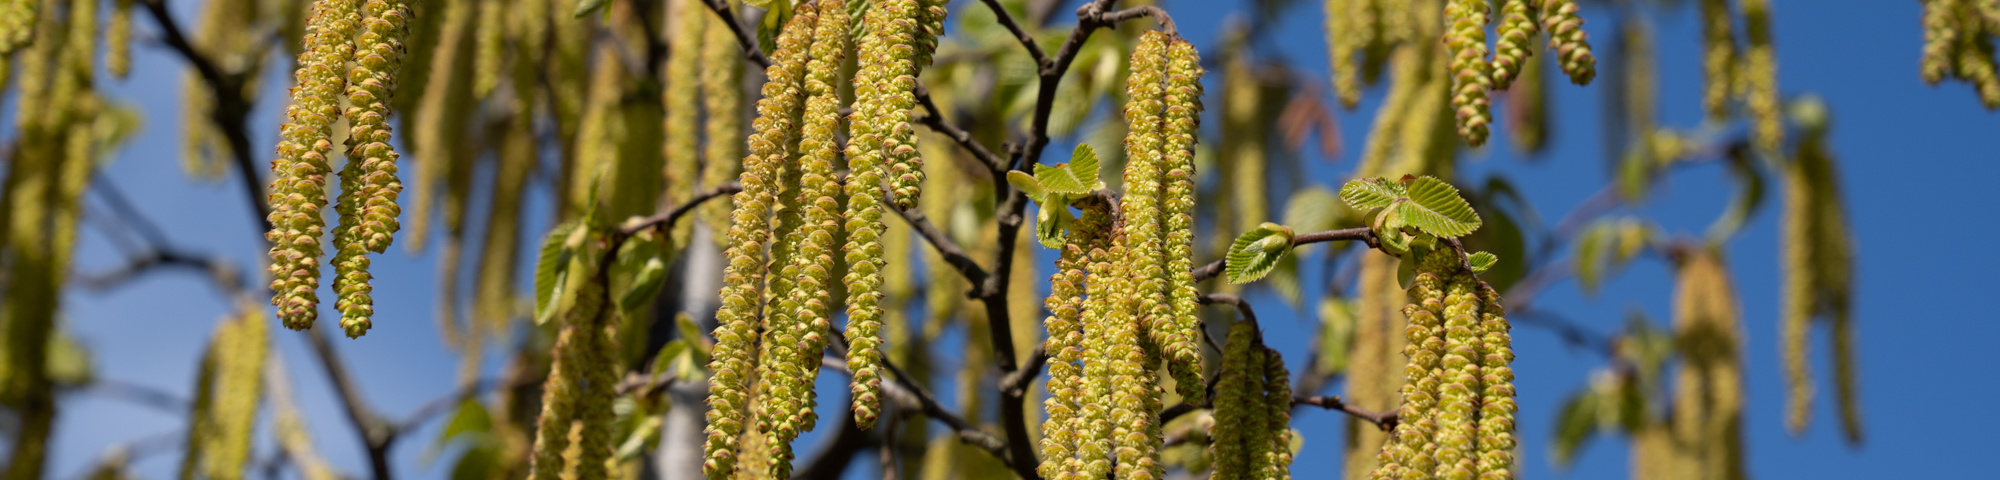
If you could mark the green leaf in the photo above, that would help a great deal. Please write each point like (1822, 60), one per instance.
(1083, 164)
(776, 14)
(1028, 185)
(550, 265)
(638, 271)
(664, 360)
(1256, 252)
(1750, 180)
(585, 7)
(692, 333)
(1576, 424)
(1049, 221)
(643, 435)
(594, 213)
(1435, 207)
(476, 464)
(1406, 270)
(1588, 261)
(1370, 193)
(1481, 261)
(1059, 179)
(1313, 209)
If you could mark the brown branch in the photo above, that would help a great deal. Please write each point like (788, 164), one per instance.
(138, 394)
(1027, 41)
(376, 434)
(232, 106)
(953, 254)
(665, 220)
(934, 118)
(1385, 420)
(749, 43)
(1356, 234)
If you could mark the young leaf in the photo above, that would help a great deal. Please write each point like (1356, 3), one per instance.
(1434, 206)
(1028, 185)
(1589, 258)
(1254, 254)
(638, 271)
(1049, 223)
(1083, 164)
(1370, 193)
(1060, 179)
(549, 269)
(1481, 261)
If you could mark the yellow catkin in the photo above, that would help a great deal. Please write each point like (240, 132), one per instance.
(18, 24)
(369, 185)
(1373, 376)
(879, 128)
(489, 35)
(1277, 407)
(1347, 35)
(1800, 295)
(298, 186)
(1471, 74)
(493, 297)
(437, 133)
(1457, 416)
(722, 126)
(1708, 397)
(241, 346)
(1940, 39)
(1719, 57)
(118, 40)
(1973, 58)
(1238, 393)
(573, 432)
(1061, 446)
(1177, 202)
(906, 167)
(1496, 444)
(683, 107)
(1515, 47)
(1140, 207)
(1759, 79)
(737, 327)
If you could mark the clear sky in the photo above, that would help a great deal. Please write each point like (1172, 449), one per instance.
(1915, 164)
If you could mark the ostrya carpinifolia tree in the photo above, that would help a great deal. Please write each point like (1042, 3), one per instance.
(600, 127)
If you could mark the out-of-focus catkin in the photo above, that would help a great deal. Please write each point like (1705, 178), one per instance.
(683, 106)
(118, 40)
(1719, 57)
(722, 125)
(1758, 79)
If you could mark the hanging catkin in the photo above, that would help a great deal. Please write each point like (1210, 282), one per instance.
(488, 37)
(1276, 461)
(1471, 75)
(906, 166)
(737, 326)
(369, 185)
(1567, 40)
(1457, 418)
(573, 432)
(722, 125)
(1061, 447)
(1177, 201)
(880, 131)
(298, 186)
(1708, 397)
(1516, 46)
(1238, 393)
(801, 338)
(1758, 79)
(1817, 265)
(1349, 31)
(1718, 57)
(17, 24)
(118, 39)
(683, 107)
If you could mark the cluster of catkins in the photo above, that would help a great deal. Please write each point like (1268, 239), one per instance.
(1355, 27)
(226, 394)
(1457, 418)
(1253, 405)
(1818, 266)
(772, 326)
(1958, 42)
(352, 51)
(1123, 297)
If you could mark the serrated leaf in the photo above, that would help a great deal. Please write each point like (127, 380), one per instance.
(1481, 261)
(1575, 425)
(1370, 193)
(1257, 252)
(1059, 179)
(1312, 209)
(1083, 164)
(1435, 207)
(1028, 185)
(550, 266)
(638, 271)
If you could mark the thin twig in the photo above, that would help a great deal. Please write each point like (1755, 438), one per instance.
(1027, 41)
(232, 106)
(749, 43)
(139, 394)
(1385, 420)
(953, 254)
(665, 220)
(1356, 234)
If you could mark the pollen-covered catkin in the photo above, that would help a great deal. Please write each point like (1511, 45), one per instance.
(1238, 392)
(17, 24)
(1458, 395)
(878, 129)
(1568, 40)
(1347, 34)
(683, 107)
(488, 37)
(241, 346)
(813, 258)
(1177, 202)
(722, 125)
(118, 40)
(737, 321)
(1496, 394)
(1758, 79)
(1065, 342)
(1718, 57)
(1708, 396)
(370, 187)
(1941, 33)
(1140, 208)
(1457, 418)
(906, 166)
(1471, 75)
(572, 434)
(298, 186)
(1517, 31)
(1276, 463)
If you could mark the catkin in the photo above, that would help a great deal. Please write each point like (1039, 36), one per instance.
(1457, 418)
(369, 185)
(1065, 342)
(1177, 201)
(1940, 39)
(17, 24)
(880, 132)
(906, 166)
(1708, 400)
(1528, 107)
(1471, 75)
(1719, 57)
(1238, 392)
(488, 37)
(722, 125)
(241, 346)
(1277, 406)
(298, 186)
(1140, 208)
(1759, 78)
(1517, 32)
(1348, 33)
(683, 107)
(737, 321)
(1568, 40)
(573, 432)
(118, 40)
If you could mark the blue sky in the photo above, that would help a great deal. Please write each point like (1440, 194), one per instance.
(1915, 163)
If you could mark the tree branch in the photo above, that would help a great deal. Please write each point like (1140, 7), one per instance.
(1385, 420)
(936, 121)
(232, 106)
(666, 219)
(1027, 41)
(749, 43)
(953, 254)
